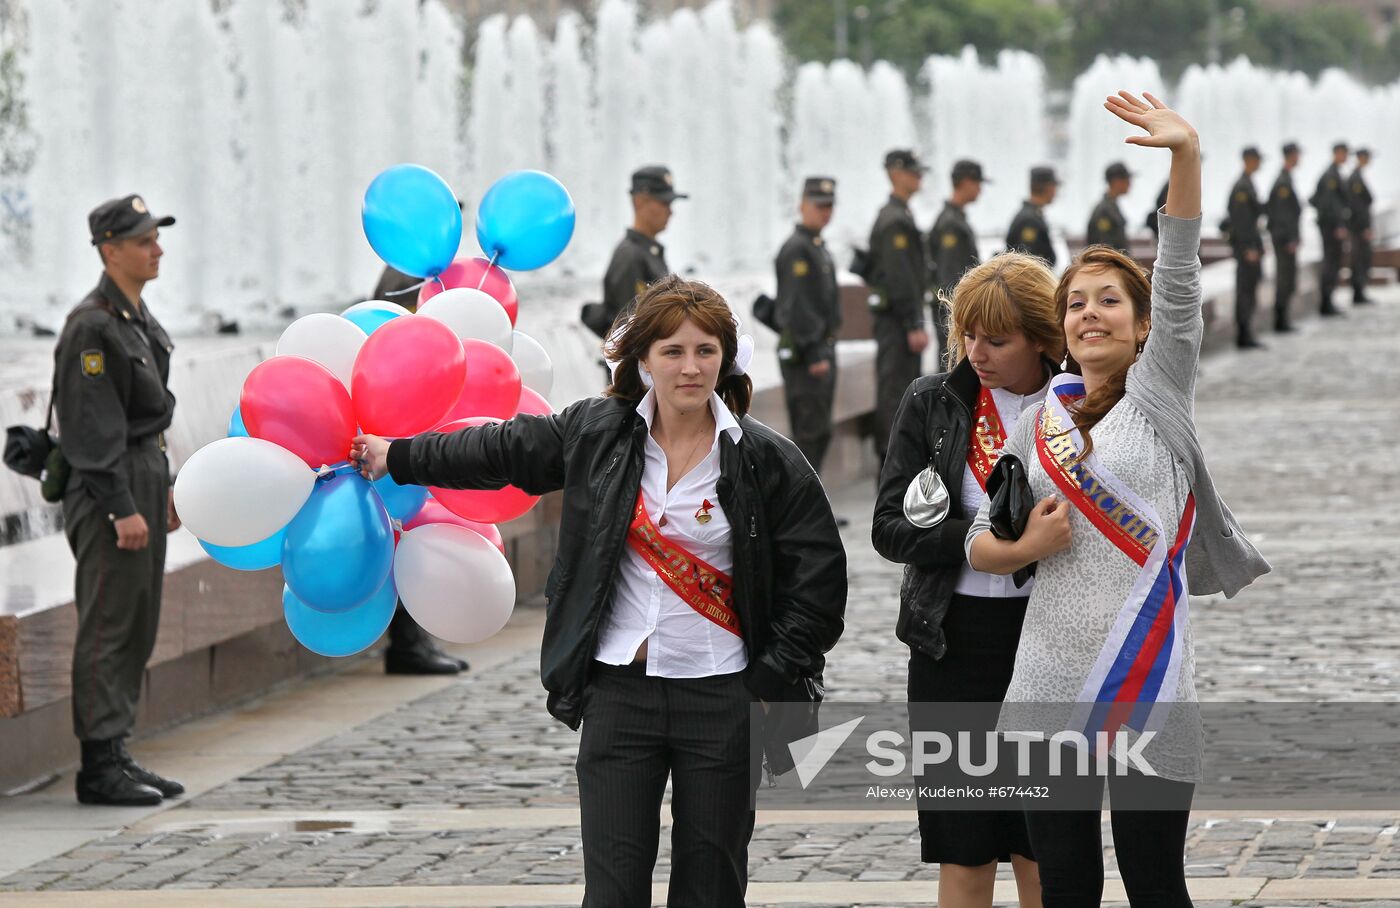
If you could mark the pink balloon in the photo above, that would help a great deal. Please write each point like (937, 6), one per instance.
(532, 403)
(299, 404)
(494, 386)
(465, 272)
(482, 505)
(434, 512)
(407, 376)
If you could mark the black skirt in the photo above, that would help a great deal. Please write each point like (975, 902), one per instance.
(982, 636)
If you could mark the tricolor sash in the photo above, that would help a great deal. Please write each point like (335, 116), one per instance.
(700, 585)
(988, 437)
(1139, 667)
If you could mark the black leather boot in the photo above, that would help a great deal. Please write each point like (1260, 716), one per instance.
(168, 788)
(412, 652)
(104, 778)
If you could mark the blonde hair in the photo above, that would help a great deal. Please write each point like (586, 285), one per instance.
(1011, 293)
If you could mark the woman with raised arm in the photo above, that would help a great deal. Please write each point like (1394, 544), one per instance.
(1128, 520)
(699, 569)
(962, 625)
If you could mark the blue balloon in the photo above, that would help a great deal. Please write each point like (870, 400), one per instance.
(525, 219)
(344, 633)
(340, 546)
(412, 220)
(371, 320)
(402, 502)
(256, 557)
(236, 429)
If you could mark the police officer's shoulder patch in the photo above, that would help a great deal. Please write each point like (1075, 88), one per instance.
(950, 240)
(901, 241)
(1331, 184)
(800, 268)
(1241, 196)
(1028, 234)
(93, 363)
(1283, 192)
(1105, 224)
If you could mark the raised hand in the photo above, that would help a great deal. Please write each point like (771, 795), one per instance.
(1165, 127)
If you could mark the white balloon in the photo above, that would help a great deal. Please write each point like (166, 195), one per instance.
(379, 305)
(536, 368)
(238, 491)
(328, 339)
(471, 313)
(455, 584)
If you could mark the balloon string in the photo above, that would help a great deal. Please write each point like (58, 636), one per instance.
(330, 471)
(486, 272)
(406, 289)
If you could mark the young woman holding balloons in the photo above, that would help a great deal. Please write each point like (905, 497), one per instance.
(699, 570)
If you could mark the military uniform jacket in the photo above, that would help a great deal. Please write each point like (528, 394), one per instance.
(1330, 199)
(1284, 210)
(1244, 216)
(808, 307)
(1358, 202)
(1030, 233)
(898, 271)
(637, 261)
(954, 246)
(111, 367)
(1108, 226)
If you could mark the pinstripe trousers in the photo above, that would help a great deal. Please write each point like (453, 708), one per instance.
(637, 732)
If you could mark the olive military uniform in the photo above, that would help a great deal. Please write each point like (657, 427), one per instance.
(1284, 212)
(637, 262)
(899, 279)
(1030, 233)
(110, 396)
(1359, 223)
(1245, 238)
(954, 251)
(808, 312)
(1331, 202)
(1107, 226)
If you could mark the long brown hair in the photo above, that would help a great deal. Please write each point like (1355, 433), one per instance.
(1010, 293)
(1096, 405)
(659, 313)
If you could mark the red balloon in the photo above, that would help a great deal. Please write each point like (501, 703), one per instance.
(434, 512)
(407, 376)
(494, 386)
(482, 505)
(532, 403)
(299, 404)
(465, 272)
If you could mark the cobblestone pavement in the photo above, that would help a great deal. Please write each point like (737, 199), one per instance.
(1299, 440)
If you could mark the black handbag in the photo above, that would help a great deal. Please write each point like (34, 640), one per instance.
(595, 318)
(35, 453)
(1011, 501)
(765, 309)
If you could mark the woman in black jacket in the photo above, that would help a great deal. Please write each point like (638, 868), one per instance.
(699, 568)
(962, 626)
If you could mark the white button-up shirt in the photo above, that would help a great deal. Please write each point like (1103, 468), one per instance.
(976, 583)
(681, 643)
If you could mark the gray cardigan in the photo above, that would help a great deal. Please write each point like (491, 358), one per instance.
(1161, 384)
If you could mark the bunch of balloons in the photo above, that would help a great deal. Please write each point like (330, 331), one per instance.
(279, 490)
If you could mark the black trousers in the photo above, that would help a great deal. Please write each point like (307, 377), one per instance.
(117, 594)
(1285, 282)
(1360, 264)
(637, 731)
(1331, 265)
(895, 368)
(809, 402)
(1247, 275)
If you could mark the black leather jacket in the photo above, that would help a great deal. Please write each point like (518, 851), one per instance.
(932, 426)
(789, 564)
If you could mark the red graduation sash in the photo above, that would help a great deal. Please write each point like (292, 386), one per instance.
(988, 437)
(703, 587)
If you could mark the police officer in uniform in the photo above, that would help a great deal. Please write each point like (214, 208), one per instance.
(1028, 231)
(1248, 246)
(808, 312)
(1107, 226)
(1359, 224)
(1284, 211)
(953, 244)
(111, 366)
(639, 259)
(898, 276)
(1330, 200)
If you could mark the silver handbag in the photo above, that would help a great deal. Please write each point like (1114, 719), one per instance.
(926, 501)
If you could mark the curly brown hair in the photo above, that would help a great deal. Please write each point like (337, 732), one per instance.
(1095, 406)
(659, 313)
